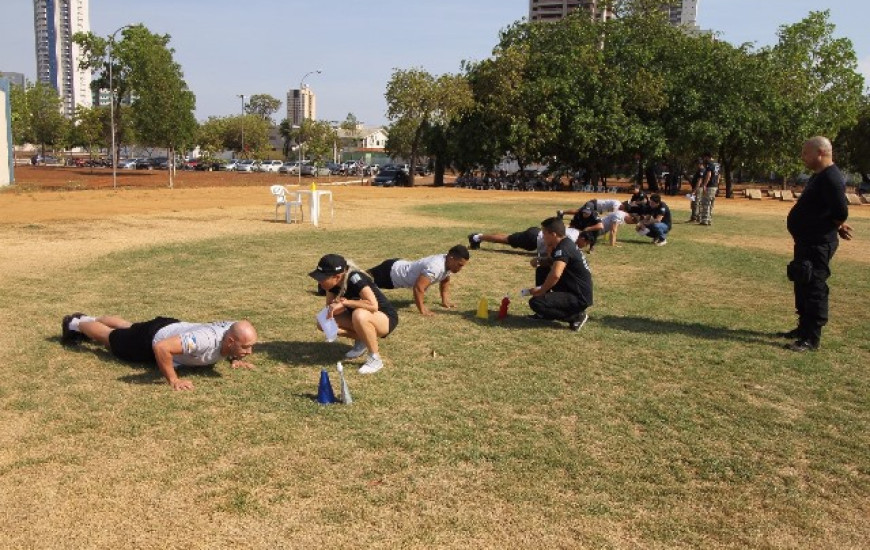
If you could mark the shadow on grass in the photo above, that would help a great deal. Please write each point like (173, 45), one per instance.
(512, 321)
(647, 325)
(150, 375)
(147, 372)
(303, 354)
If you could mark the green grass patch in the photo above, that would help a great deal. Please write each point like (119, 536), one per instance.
(674, 419)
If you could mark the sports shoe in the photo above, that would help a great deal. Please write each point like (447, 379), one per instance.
(660, 242)
(704, 223)
(793, 334)
(472, 244)
(358, 350)
(801, 346)
(68, 336)
(578, 322)
(371, 366)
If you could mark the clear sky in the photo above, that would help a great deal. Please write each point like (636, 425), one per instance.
(231, 47)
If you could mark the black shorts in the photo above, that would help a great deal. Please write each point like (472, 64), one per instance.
(527, 240)
(134, 343)
(381, 273)
(394, 322)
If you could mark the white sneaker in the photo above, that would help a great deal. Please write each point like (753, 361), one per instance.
(371, 366)
(358, 350)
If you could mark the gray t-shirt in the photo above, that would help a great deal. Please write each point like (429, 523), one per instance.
(404, 273)
(612, 219)
(200, 342)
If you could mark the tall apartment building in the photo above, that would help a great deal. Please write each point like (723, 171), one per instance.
(551, 10)
(57, 57)
(14, 78)
(682, 13)
(301, 105)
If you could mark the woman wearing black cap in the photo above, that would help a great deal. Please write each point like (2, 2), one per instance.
(358, 306)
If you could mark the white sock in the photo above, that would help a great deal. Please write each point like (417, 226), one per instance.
(74, 324)
(476, 237)
(375, 356)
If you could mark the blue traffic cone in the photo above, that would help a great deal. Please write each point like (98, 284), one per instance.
(324, 391)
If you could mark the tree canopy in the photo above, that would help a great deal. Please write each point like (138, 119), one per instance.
(596, 95)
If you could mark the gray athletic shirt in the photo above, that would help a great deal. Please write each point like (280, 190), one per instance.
(200, 342)
(404, 273)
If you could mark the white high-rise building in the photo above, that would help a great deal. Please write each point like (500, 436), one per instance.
(301, 105)
(57, 57)
(551, 10)
(682, 13)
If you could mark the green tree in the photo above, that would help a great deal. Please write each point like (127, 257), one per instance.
(90, 128)
(22, 133)
(45, 121)
(418, 99)
(821, 88)
(852, 146)
(349, 123)
(142, 67)
(211, 135)
(256, 132)
(263, 105)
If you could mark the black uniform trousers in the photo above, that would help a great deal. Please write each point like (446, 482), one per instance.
(560, 306)
(811, 290)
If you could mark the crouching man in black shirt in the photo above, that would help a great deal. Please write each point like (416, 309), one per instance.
(815, 222)
(567, 290)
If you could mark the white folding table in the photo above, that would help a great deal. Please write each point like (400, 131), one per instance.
(314, 198)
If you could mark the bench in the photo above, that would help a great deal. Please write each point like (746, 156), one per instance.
(754, 194)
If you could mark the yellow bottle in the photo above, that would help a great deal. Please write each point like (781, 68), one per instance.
(313, 186)
(483, 309)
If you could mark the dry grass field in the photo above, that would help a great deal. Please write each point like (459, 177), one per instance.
(673, 420)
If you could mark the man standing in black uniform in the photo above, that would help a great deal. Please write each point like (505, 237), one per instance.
(815, 221)
(567, 290)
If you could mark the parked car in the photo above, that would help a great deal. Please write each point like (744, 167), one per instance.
(127, 164)
(145, 164)
(247, 165)
(389, 178)
(229, 165)
(270, 166)
(290, 167)
(309, 169)
(334, 168)
(422, 170)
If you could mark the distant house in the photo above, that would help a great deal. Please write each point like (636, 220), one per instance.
(368, 144)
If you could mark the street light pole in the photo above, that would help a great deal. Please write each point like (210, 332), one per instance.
(112, 106)
(243, 123)
(301, 120)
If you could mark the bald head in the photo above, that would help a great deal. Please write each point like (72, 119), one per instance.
(239, 340)
(243, 330)
(817, 153)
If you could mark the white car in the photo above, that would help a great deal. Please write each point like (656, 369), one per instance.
(270, 165)
(247, 165)
(127, 164)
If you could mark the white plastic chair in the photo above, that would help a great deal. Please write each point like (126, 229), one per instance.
(292, 207)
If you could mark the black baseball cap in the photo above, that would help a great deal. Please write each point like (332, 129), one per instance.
(329, 265)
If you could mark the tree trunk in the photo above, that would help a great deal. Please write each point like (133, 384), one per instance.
(727, 167)
(439, 172)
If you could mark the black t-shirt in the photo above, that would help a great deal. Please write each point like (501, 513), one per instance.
(581, 222)
(713, 169)
(823, 202)
(356, 282)
(576, 278)
(661, 210)
(697, 178)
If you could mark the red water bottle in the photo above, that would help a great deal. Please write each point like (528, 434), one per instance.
(503, 309)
